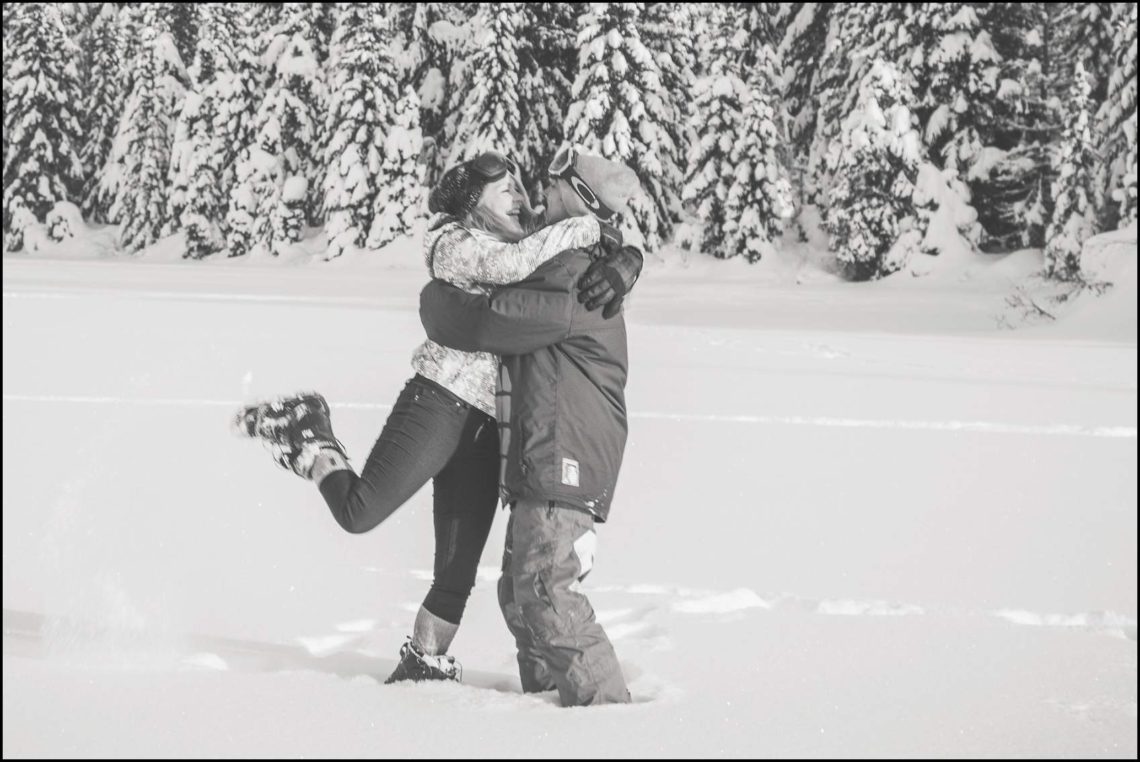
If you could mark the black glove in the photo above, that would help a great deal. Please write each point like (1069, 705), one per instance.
(609, 279)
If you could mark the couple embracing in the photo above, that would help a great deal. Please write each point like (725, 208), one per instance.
(518, 394)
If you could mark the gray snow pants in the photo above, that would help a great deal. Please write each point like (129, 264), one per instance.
(549, 549)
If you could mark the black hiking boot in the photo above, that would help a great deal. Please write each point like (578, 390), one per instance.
(296, 430)
(417, 666)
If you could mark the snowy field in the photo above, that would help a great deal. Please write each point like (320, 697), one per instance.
(853, 520)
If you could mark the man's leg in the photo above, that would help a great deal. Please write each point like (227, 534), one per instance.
(533, 672)
(549, 549)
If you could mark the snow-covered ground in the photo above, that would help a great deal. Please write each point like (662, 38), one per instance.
(853, 520)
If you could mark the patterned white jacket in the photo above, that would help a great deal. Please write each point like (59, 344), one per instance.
(476, 263)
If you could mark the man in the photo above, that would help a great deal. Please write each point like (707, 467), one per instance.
(562, 419)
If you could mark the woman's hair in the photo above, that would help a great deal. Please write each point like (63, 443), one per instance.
(484, 219)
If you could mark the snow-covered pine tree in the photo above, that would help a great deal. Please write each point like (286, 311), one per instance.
(5, 56)
(1117, 124)
(189, 125)
(780, 17)
(270, 203)
(873, 222)
(703, 32)
(178, 178)
(718, 100)
(1013, 197)
(488, 108)
(41, 119)
(766, 24)
(954, 67)
(220, 26)
(103, 101)
(408, 53)
(232, 99)
(78, 20)
(435, 40)
(400, 200)
(555, 26)
(362, 102)
(548, 63)
(168, 83)
(1075, 193)
(182, 21)
(210, 126)
(260, 25)
(462, 38)
(130, 29)
(324, 19)
(145, 129)
(858, 35)
(262, 19)
(839, 69)
(1085, 32)
(255, 193)
(219, 49)
(286, 127)
(801, 54)
(619, 113)
(102, 193)
(416, 54)
(667, 31)
(192, 171)
(760, 198)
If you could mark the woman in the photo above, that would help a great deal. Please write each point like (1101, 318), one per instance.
(442, 426)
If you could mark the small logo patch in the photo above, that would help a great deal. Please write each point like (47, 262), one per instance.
(570, 472)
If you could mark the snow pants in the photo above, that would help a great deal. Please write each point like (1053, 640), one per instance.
(549, 550)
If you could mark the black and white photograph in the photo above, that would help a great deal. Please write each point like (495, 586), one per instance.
(573, 380)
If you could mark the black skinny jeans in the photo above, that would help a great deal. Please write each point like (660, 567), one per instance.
(430, 433)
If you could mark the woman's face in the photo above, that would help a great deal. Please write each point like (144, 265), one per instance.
(502, 200)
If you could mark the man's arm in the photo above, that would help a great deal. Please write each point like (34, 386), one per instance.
(515, 320)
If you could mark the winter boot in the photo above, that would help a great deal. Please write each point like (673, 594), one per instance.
(417, 666)
(273, 419)
(296, 429)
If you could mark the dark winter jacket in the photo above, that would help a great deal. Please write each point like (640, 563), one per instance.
(561, 396)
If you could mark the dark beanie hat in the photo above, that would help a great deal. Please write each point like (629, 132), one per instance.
(458, 191)
(460, 187)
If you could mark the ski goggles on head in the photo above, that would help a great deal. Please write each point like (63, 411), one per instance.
(562, 168)
(459, 189)
(491, 165)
